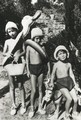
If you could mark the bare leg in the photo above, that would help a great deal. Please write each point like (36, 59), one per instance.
(22, 92)
(12, 93)
(40, 83)
(58, 97)
(57, 105)
(12, 89)
(66, 93)
(74, 97)
(33, 89)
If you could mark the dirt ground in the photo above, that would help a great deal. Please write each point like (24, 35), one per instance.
(5, 101)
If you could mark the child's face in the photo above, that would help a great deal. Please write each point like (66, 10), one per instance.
(62, 55)
(37, 39)
(12, 33)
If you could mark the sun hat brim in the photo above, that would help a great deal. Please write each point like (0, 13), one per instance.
(60, 47)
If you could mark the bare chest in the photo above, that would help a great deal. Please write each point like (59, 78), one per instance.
(62, 70)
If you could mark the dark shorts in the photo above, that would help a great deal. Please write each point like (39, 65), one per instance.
(65, 82)
(36, 69)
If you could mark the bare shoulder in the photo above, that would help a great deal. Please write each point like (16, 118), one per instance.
(29, 48)
(69, 64)
(55, 65)
(8, 41)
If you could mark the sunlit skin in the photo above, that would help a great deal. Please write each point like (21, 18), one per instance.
(12, 33)
(10, 43)
(62, 55)
(8, 47)
(34, 58)
(38, 40)
(63, 69)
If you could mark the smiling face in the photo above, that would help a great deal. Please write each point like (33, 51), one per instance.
(12, 32)
(62, 55)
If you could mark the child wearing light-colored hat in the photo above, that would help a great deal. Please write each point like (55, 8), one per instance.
(36, 32)
(35, 68)
(60, 47)
(63, 75)
(10, 24)
(12, 30)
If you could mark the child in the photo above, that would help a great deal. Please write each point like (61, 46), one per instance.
(12, 30)
(35, 67)
(62, 71)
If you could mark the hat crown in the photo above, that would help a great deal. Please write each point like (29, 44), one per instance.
(36, 32)
(60, 47)
(10, 24)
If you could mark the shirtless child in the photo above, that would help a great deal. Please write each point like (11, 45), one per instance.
(35, 69)
(12, 30)
(65, 80)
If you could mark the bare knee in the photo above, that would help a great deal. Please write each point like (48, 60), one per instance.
(33, 91)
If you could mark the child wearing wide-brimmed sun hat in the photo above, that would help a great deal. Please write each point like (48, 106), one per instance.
(65, 80)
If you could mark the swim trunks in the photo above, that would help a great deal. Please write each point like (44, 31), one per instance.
(36, 69)
(65, 82)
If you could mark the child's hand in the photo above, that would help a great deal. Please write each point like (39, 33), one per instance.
(77, 87)
(16, 58)
(51, 84)
(28, 73)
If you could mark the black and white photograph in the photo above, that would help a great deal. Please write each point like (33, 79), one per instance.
(40, 60)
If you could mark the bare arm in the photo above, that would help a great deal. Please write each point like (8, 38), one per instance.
(5, 49)
(28, 60)
(48, 65)
(53, 74)
(71, 73)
